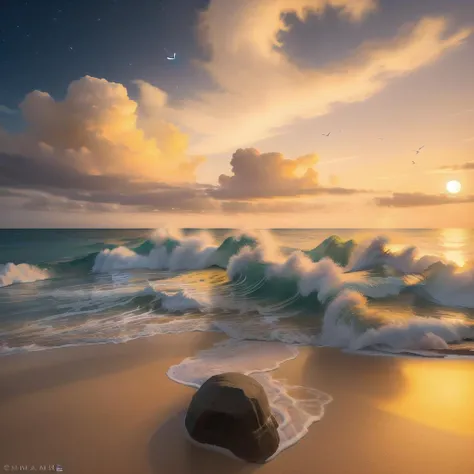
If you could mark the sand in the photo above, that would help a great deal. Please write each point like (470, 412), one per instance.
(111, 409)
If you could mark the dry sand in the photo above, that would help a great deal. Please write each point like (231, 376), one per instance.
(111, 409)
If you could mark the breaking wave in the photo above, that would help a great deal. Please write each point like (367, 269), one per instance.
(349, 323)
(22, 273)
(337, 285)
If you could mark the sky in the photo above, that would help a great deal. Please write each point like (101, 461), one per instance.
(272, 114)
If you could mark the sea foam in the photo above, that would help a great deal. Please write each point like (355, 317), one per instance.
(257, 359)
(349, 323)
(11, 273)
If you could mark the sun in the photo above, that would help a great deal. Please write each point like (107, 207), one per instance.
(453, 187)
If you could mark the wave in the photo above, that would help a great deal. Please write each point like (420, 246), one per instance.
(335, 248)
(7, 350)
(338, 284)
(325, 270)
(21, 273)
(323, 278)
(182, 301)
(172, 252)
(447, 285)
(349, 323)
(375, 254)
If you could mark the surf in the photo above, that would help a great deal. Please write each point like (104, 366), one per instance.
(251, 286)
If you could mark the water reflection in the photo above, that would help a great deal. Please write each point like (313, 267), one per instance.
(437, 394)
(454, 245)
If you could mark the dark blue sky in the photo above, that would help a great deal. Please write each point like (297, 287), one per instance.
(121, 40)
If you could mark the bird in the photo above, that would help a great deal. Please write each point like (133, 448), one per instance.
(326, 134)
(172, 58)
(419, 149)
(413, 162)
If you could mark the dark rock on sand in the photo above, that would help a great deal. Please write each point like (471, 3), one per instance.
(231, 411)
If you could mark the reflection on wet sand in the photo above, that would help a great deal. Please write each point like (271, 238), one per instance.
(438, 394)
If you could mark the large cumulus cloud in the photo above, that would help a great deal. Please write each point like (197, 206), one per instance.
(94, 131)
(267, 175)
(90, 152)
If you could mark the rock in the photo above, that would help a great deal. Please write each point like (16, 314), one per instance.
(231, 410)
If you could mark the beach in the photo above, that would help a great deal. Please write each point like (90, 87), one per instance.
(112, 409)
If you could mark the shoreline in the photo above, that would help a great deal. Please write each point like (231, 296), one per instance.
(112, 409)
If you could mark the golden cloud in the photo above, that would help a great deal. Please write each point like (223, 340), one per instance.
(95, 131)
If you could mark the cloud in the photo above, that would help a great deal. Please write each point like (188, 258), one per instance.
(6, 110)
(338, 160)
(255, 176)
(462, 112)
(267, 207)
(266, 175)
(179, 199)
(55, 204)
(258, 174)
(468, 166)
(94, 131)
(20, 175)
(420, 200)
(390, 177)
(259, 87)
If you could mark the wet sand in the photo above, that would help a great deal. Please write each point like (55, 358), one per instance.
(111, 409)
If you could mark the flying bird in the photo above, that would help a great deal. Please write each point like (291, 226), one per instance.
(171, 58)
(419, 149)
(326, 134)
(413, 162)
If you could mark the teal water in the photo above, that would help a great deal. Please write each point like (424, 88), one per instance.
(396, 291)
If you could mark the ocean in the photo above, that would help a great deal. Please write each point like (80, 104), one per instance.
(396, 293)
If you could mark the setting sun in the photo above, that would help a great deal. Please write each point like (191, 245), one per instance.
(453, 187)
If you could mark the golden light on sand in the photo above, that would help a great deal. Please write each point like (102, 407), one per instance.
(438, 394)
(453, 187)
